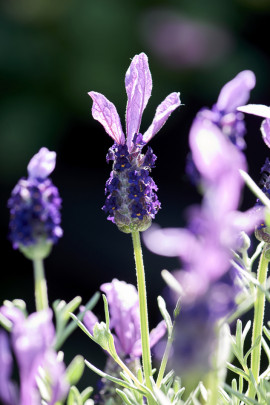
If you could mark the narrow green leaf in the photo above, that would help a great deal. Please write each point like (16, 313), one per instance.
(123, 396)
(75, 370)
(237, 371)
(71, 307)
(5, 323)
(242, 397)
(74, 397)
(86, 393)
(256, 343)
(113, 379)
(106, 310)
(165, 314)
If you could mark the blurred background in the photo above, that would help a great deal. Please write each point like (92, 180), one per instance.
(52, 52)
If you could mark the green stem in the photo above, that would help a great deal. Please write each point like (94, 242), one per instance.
(40, 285)
(164, 363)
(258, 322)
(146, 354)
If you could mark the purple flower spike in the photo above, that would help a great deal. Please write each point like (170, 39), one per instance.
(35, 208)
(261, 111)
(132, 207)
(42, 164)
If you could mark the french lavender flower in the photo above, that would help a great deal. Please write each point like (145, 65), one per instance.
(123, 303)
(205, 247)
(32, 341)
(131, 200)
(35, 208)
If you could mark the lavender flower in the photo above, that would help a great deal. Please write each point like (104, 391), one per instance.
(123, 303)
(131, 200)
(35, 208)
(32, 341)
(205, 247)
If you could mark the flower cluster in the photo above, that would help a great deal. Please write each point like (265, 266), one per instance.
(123, 303)
(131, 200)
(35, 208)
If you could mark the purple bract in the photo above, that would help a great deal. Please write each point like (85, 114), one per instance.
(131, 193)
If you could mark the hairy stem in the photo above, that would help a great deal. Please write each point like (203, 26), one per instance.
(40, 285)
(146, 354)
(258, 322)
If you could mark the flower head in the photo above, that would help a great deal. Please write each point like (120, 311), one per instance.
(35, 208)
(123, 303)
(131, 193)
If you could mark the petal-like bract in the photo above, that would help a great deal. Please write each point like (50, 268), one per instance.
(256, 109)
(105, 112)
(212, 153)
(42, 164)
(138, 82)
(164, 110)
(236, 91)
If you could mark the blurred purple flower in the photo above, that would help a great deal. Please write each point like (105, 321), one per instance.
(123, 303)
(182, 42)
(205, 248)
(8, 392)
(32, 339)
(131, 193)
(35, 205)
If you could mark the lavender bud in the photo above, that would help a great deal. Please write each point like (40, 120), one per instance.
(35, 209)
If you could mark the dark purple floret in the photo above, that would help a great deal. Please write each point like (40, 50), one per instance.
(131, 199)
(150, 158)
(34, 212)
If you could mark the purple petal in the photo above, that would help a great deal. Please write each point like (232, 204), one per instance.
(138, 82)
(170, 242)
(212, 153)
(123, 303)
(256, 109)
(42, 164)
(164, 110)
(236, 92)
(155, 335)
(7, 389)
(105, 112)
(55, 369)
(265, 130)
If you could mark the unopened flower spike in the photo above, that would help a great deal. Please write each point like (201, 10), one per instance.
(35, 208)
(131, 200)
